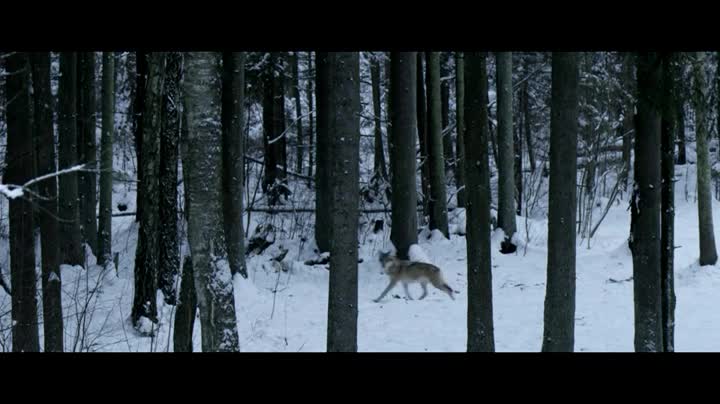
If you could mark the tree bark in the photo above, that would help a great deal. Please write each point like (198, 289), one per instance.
(645, 207)
(680, 105)
(169, 249)
(527, 119)
(19, 168)
(71, 246)
(559, 317)
(323, 201)
(233, 152)
(422, 136)
(708, 252)
(87, 149)
(477, 177)
(506, 152)
(379, 166)
(402, 151)
(147, 251)
(202, 172)
(106, 159)
(438, 201)
(138, 106)
(311, 132)
(460, 124)
(344, 125)
(185, 311)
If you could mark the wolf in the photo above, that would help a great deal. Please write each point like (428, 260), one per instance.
(411, 272)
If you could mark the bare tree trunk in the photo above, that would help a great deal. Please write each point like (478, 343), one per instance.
(185, 311)
(506, 153)
(422, 135)
(19, 168)
(106, 159)
(438, 198)
(527, 119)
(460, 124)
(323, 202)
(87, 149)
(379, 163)
(311, 132)
(138, 106)
(480, 312)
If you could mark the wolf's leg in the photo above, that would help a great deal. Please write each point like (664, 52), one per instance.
(385, 292)
(407, 292)
(424, 286)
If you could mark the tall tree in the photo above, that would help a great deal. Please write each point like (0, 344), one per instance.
(185, 311)
(680, 105)
(460, 124)
(667, 247)
(87, 149)
(19, 168)
(202, 173)
(50, 253)
(299, 147)
(708, 253)
(506, 152)
(559, 318)
(168, 245)
(438, 202)
(233, 94)
(477, 180)
(645, 206)
(526, 117)
(147, 251)
(402, 151)
(274, 139)
(422, 135)
(379, 166)
(104, 254)
(138, 107)
(71, 247)
(344, 125)
(323, 201)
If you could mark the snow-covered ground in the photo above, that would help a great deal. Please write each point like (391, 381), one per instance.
(286, 311)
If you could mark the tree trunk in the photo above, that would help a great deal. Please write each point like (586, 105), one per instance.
(527, 120)
(379, 164)
(667, 249)
(445, 109)
(45, 141)
(274, 130)
(628, 124)
(422, 135)
(185, 311)
(202, 172)
(147, 251)
(298, 112)
(169, 250)
(323, 201)
(680, 105)
(402, 151)
(87, 149)
(438, 201)
(559, 317)
(106, 159)
(71, 246)
(460, 124)
(645, 207)
(708, 253)
(19, 167)
(477, 177)
(141, 68)
(233, 121)
(517, 167)
(311, 132)
(344, 125)
(506, 153)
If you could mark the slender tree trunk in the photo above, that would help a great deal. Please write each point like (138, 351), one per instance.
(169, 249)
(708, 253)
(527, 119)
(185, 311)
(506, 153)
(233, 121)
(645, 207)
(273, 129)
(147, 251)
(298, 112)
(323, 202)
(311, 131)
(141, 68)
(438, 201)
(379, 164)
(667, 250)
(445, 109)
(344, 125)
(50, 253)
(19, 167)
(680, 105)
(202, 172)
(106, 159)
(422, 135)
(71, 246)
(517, 167)
(460, 124)
(477, 177)
(402, 151)
(87, 149)
(559, 318)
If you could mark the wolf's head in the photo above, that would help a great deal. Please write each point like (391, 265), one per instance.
(385, 257)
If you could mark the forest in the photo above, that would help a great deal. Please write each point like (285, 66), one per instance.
(262, 201)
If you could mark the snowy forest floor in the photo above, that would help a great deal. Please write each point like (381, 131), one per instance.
(287, 311)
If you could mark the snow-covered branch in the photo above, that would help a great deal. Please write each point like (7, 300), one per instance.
(12, 191)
